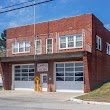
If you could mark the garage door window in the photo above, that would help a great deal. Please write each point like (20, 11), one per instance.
(24, 73)
(69, 71)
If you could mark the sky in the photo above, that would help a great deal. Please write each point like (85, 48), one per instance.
(53, 10)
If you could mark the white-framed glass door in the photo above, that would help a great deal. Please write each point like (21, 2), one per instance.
(43, 82)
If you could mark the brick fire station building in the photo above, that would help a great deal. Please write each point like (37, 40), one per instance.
(69, 55)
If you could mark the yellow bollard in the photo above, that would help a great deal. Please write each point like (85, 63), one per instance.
(37, 79)
(40, 88)
(37, 85)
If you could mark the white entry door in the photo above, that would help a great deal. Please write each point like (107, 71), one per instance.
(44, 82)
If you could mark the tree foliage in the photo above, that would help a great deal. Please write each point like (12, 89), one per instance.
(3, 40)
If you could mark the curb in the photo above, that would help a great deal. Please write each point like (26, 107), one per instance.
(88, 102)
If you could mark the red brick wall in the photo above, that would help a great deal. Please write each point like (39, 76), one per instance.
(98, 61)
(54, 29)
(6, 71)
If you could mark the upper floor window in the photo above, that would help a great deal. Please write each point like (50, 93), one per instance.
(38, 46)
(71, 41)
(98, 43)
(21, 47)
(108, 48)
(49, 45)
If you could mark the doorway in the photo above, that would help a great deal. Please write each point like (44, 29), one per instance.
(43, 82)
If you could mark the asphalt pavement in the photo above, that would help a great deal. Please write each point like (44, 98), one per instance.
(29, 100)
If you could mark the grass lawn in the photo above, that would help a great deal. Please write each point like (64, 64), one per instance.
(101, 94)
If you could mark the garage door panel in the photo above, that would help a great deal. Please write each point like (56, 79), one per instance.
(69, 77)
(23, 77)
(21, 85)
(69, 85)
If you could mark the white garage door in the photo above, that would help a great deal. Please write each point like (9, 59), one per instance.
(24, 77)
(69, 77)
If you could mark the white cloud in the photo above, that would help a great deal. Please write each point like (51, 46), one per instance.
(107, 26)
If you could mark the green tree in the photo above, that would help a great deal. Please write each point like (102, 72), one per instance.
(3, 40)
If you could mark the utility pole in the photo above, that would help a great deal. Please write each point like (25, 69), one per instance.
(34, 29)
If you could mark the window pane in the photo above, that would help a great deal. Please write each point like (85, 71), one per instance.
(59, 78)
(62, 45)
(60, 65)
(17, 67)
(69, 69)
(27, 44)
(79, 69)
(79, 44)
(69, 64)
(78, 78)
(78, 37)
(59, 69)
(44, 79)
(38, 46)
(31, 74)
(21, 50)
(24, 74)
(78, 64)
(79, 74)
(24, 70)
(31, 66)
(21, 44)
(38, 51)
(71, 44)
(59, 74)
(21, 47)
(15, 45)
(31, 70)
(15, 50)
(31, 78)
(49, 50)
(69, 79)
(25, 66)
(17, 74)
(27, 49)
(62, 39)
(98, 43)
(17, 79)
(38, 42)
(69, 74)
(24, 78)
(17, 70)
(49, 41)
(71, 39)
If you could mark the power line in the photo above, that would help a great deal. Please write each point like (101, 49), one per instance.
(25, 6)
(16, 4)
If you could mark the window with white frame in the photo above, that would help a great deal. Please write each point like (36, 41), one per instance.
(27, 46)
(62, 42)
(21, 47)
(98, 43)
(71, 41)
(38, 46)
(49, 45)
(108, 49)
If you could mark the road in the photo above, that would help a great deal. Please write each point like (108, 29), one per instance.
(26, 100)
